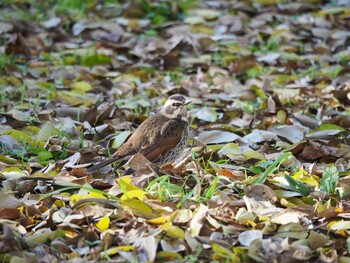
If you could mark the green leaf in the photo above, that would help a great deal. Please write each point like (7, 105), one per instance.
(297, 186)
(94, 60)
(329, 126)
(271, 168)
(209, 192)
(330, 179)
(255, 169)
(44, 155)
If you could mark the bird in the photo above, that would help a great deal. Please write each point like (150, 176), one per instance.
(161, 138)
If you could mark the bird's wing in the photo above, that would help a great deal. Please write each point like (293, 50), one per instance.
(163, 140)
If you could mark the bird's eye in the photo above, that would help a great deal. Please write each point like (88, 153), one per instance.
(176, 104)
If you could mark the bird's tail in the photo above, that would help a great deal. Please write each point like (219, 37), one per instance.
(101, 164)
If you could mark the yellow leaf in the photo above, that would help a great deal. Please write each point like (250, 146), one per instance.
(302, 176)
(115, 250)
(250, 154)
(296, 201)
(281, 116)
(200, 28)
(133, 193)
(166, 226)
(133, 24)
(251, 223)
(166, 256)
(267, 2)
(59, 203)
(14, 81)
(223, 254)
(81, 87)
(24, 138)
(214, 147)
(94, 195)
(332, 11)
(175, 232)
(70, 234)
(75, 198)
(280, 33)
(139, 208)
(75, 98)
(230, 148)
(309, 181)
(284, 202)
(73, 255)
(7, 160)
(158, 221)
(70, 60)
(103, 224)
(125, 183)
(31, 130)
(125, 180)
(298, 174)
(14, 172)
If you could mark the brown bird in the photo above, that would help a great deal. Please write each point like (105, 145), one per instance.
(161, 138)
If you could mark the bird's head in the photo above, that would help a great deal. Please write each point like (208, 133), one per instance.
(176, 107)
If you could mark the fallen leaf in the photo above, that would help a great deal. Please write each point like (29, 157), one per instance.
(211, 137)
(197, 221)
(138, 208)
(103, 223)
(247, 237)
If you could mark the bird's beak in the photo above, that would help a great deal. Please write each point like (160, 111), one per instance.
(187, 102)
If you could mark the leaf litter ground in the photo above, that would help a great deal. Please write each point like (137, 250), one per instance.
(266, 178)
